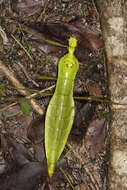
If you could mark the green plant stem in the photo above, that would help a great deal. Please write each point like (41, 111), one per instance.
(22, 47)
(47, 78)
(67, 178)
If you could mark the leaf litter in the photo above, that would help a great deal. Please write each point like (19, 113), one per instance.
(22, 136)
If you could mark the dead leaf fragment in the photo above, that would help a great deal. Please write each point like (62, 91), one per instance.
(36, 130)
(36, 134)
(25, 178)
(18, 152)
(26, 7)
(22, 174)
(94, 90)
(92, 39)
(95, 137)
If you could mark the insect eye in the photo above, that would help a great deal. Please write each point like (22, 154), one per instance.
(68, 63)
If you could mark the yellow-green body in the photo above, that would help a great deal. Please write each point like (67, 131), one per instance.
(60, 112)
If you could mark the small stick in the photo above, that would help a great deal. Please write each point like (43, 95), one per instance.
(35, 94)
(26, 74)
(20, 87)
(7, 107)
(4, 36)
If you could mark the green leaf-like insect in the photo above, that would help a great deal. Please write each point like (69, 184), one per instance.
(60, 112)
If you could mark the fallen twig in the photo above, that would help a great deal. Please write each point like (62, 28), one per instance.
(4, 36)
(27, 75)
(20, 87)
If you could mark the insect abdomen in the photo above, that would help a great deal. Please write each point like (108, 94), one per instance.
(60, 114)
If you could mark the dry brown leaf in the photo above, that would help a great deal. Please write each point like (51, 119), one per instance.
(26, 7)
(94, 90)
(95, 137)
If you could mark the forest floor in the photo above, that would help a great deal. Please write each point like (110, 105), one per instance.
(28, 65)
